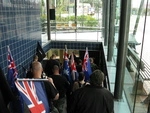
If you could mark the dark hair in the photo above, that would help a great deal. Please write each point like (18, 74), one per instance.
(35, 57)
(97, 78)
(55, 67)
(79, 61)
(81, 76)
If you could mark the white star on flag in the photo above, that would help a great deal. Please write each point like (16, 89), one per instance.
(66, 71)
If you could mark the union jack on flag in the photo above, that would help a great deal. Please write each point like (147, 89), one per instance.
(73, 68)
(86, 67)
(34, 96)
(12, 71)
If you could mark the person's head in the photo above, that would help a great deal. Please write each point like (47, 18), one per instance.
(55, 69)
(53, 56)
(35, 58)
(79, 62)
(97, 78)
(91, 60)
(37, 69)
(81, 76)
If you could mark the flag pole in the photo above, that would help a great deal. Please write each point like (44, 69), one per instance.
(31, 79)
(7, 55)
(86, 49)
(65, 47)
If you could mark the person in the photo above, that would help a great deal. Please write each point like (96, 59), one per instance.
(93, 98)
(51, 91)
(6, 95)
(80, 83)
(79, 66)
(62, 86)
(93, 65)
(29, 73)
(49, 65)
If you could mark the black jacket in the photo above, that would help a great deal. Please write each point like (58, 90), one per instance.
(92, 99)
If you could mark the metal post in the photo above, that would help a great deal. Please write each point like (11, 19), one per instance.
(48, 20)
(122, 47)
(111, 30)
(76, 15)
(103, 17)
(107, 6)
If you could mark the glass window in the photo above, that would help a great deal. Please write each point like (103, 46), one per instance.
(75, 18)
(138, 56)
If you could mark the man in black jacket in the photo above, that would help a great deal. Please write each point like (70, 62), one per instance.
(93, 98)
(62, 86)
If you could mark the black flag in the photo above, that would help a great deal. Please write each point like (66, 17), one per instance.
(6, 95)
(40, 52)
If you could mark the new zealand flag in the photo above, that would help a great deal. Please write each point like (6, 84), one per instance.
(34, 95)
(66, 68)
(15, 106)
(12, 71)
(86, 67)
(73, 69)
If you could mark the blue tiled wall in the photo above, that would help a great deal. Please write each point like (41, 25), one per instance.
(20, 29)
(73, 45)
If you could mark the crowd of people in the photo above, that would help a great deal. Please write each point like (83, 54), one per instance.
(80, 96)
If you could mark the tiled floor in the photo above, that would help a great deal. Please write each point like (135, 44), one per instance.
(122, 105)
